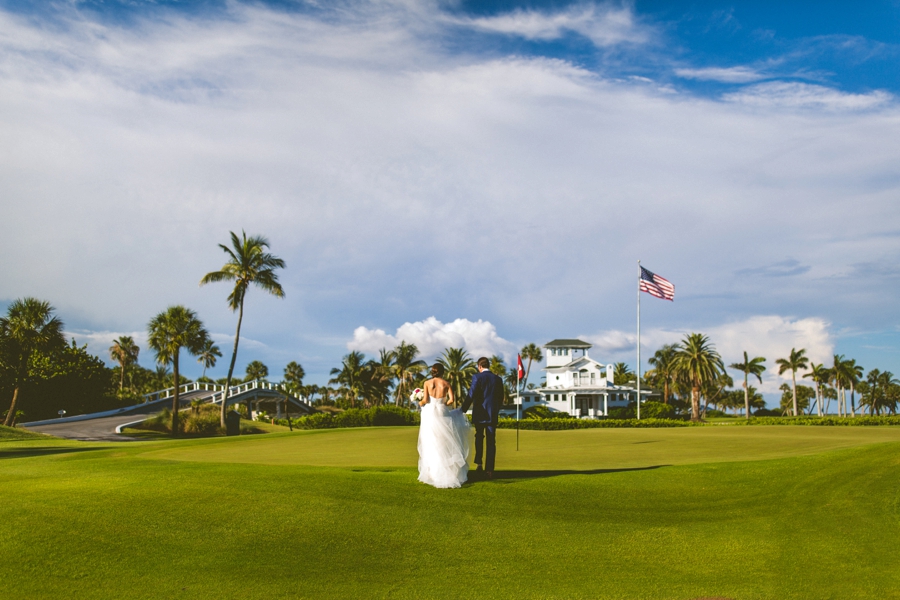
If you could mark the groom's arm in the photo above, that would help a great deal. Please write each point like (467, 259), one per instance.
(470, 397)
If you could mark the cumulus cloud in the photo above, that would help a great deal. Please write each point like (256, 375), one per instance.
(604, 24)
(431, 337)
(722, 74)
(769, 336)
(397, 177)
(804, 95)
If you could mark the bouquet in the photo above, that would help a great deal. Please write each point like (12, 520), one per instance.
(417, 395)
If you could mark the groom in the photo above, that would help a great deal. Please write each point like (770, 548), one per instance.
(485, 397)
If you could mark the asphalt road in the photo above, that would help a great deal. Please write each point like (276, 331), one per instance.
(104, 428)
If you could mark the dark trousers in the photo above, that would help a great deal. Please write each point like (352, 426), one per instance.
(491, 431)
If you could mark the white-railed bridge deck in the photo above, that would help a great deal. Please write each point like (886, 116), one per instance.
(107, 425)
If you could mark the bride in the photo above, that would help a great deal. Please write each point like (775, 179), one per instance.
(443, 435)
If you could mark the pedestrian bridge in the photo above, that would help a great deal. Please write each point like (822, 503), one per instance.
(106, 425)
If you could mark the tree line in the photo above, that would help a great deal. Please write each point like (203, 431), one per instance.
(694, 369)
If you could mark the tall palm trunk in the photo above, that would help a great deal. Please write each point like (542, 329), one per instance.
(695, 403)
(122, 379)
(794, 390)
(746, 397)
(666, 391)
(175, 399)
(818, 399)
(237, 336)
(10, 420)
(852, 399)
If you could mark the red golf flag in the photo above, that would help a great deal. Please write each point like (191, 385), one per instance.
(521, 368)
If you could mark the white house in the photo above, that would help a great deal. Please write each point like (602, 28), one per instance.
(577, 384)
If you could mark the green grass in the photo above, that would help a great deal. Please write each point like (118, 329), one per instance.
(602, 513)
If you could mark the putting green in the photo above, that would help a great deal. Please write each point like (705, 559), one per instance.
(577, 450)
(799, 513)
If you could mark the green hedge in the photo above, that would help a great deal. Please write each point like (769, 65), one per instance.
(822, 421)
(356, 417)
(558, 424)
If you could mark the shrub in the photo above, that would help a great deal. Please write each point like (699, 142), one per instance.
(826, 421)
(356, 417)
(200, 420)
(622, 412)
(542, 412)
(657, 410)
(560, 424)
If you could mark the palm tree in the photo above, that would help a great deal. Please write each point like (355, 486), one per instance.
(712, 390)
(854, 376)
(530, 352)
(819, 375)
(383, 374)
(256, 370)
(125, 352)
(498, 367)
(208, 355)
(663, 362)
(622, 373)
(406, 368)
(28, 329)
(796, 361)
(350, 375)
(839, 377)
(749, 367)
(293, 377)
(248, 262)
(697, 360)
(171, 330)
(880, 391)
(459, 369)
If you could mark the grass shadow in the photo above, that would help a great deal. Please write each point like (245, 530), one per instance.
(41, 451)
(502, 476)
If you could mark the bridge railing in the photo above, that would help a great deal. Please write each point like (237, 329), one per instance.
(257, 384)
(183, 389)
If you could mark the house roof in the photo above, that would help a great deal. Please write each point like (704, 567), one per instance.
(581, 360)
(565, 343)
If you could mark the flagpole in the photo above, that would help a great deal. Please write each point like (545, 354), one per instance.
(639, 342)
(519, 380)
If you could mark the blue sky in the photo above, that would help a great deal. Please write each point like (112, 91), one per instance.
(475, 173)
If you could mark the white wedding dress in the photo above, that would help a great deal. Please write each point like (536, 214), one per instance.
(443, 445)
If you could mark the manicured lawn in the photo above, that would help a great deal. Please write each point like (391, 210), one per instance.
(680, 514)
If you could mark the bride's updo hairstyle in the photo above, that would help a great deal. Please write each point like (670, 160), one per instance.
(437, 370)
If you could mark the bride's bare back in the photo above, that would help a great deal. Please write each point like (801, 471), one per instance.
(437, 387)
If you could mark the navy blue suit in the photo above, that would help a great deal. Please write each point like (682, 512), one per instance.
(485, 397)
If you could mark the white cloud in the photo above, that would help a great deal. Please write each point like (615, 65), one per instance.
(431, 337)
(723, 74)
(605, 25)
(398, 178)
(769, 336)
(804, 95)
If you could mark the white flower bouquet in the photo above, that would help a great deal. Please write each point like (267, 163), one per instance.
(417, 396)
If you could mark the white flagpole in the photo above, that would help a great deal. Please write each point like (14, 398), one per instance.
(639, 343)
(518, 403)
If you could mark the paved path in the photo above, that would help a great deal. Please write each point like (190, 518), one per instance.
(104, 428)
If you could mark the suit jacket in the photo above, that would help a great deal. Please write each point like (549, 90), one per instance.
(485, 397)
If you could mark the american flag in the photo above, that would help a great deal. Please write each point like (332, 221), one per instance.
(656, 286)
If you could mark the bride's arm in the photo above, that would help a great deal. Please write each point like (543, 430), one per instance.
(425, 395)
(452, 399)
